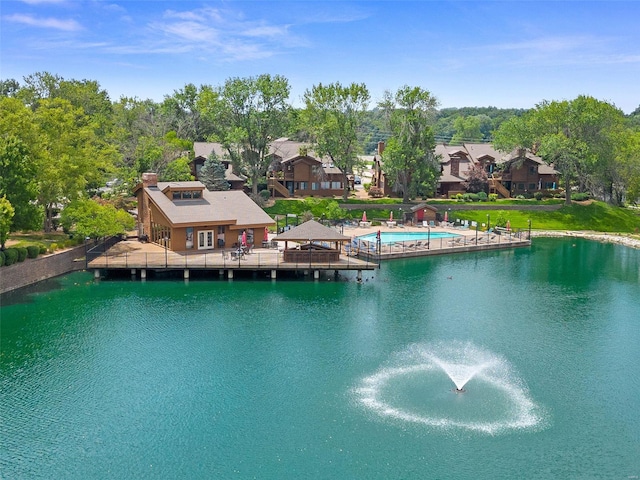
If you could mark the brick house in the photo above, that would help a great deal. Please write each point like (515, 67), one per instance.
(186, 216)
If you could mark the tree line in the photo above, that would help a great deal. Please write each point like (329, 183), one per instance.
(60, 139)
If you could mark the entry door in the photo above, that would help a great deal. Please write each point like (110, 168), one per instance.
(205, 239)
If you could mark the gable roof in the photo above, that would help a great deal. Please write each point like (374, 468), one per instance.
(312, 230)
(231, 207)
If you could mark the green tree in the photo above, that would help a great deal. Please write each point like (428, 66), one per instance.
(18, 182)
(212, 174)
(73, 156)
(333, 114)
(6, 219)
(88, 218)
(178, 170)
(409, 158)
(246, 114)
(468, 130)
(576, 137)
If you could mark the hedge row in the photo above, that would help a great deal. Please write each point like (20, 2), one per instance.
(19, 254)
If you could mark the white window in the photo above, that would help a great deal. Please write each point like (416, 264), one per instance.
(205, 239)
(336, 185)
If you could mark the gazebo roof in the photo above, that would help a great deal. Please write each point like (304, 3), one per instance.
(311, 230)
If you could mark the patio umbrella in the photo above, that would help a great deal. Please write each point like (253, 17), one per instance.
(266, 234)
(391, 216)
(244, 238)
(508, 225)
(364, 216)
(446, 216)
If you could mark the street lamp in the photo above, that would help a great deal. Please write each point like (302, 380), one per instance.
(86, 253)
(488, 222)
(166, 260)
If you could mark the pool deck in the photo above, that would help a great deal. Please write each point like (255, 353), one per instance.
(357, 256)
(465, 240)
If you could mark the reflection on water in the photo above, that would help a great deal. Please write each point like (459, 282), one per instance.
(218, 379)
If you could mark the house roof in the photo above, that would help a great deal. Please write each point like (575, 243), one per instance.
(230, 207)
(204, 149)
(423, 206)
(311, 230)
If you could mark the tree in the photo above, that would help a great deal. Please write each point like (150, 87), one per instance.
(333, 115)
(477, 179)
(576, 137)
(178, 170)
(88, 218)
(73, 156)
(212, 174)
(6, 219)
(409, 158)
(18, 182)
(468, 130)
(246, 114)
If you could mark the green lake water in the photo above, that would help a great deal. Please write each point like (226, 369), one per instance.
(332, 379)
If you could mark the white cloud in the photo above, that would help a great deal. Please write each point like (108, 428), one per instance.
(65, 25)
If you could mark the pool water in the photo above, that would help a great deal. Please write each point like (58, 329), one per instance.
(392, 237)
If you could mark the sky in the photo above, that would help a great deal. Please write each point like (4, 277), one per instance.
(506, 54)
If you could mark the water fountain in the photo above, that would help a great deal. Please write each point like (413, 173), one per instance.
(413, 386)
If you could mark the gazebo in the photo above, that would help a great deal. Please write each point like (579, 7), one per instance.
(315, 243)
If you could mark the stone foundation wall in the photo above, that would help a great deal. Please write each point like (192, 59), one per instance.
(34, 270)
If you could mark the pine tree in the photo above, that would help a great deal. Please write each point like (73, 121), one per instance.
(212, 174)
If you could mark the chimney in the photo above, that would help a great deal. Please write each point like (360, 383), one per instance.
(149, 180)
(380, 147)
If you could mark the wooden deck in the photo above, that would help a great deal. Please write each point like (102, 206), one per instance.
(134, 255)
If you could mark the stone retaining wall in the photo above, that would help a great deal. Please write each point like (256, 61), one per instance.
(34, 270)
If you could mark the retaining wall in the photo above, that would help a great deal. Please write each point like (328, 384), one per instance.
(34, 270)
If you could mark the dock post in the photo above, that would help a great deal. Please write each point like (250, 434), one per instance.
(273, 274)
(96, 274)
(230, 274)
(316, 274)
(143, 274)
(186, 274)
(133, 272)
(359, 276)
(221, 272)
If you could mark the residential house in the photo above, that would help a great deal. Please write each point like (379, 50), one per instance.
(296, 171)
(379, 178)
(186, 216)
(202, 150)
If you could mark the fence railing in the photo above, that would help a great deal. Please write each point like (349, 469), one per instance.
(219, 260)
(367, 249)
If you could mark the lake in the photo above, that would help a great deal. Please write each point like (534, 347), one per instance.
(333, 379)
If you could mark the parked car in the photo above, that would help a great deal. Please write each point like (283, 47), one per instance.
(357, 180)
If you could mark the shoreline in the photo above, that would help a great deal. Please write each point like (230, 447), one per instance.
(620, 239)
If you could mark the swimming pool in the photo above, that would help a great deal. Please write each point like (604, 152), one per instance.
(393, 237)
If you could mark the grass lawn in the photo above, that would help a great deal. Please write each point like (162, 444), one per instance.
(38, 238)
(596, 216)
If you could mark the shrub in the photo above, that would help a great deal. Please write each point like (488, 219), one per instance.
(579, 197)
(520, 197)
(459, 197)
(482, 196)
(376, 192)
(33, 251)
(1, 258)
(22, 254)
(493, 197)
(10, 256)
(42, 249)
(265, 194)
(53, 247)
(538, 196)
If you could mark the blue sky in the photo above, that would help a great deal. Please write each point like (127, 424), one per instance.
(490, 53)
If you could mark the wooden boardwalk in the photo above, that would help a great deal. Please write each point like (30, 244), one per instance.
(136, 256)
